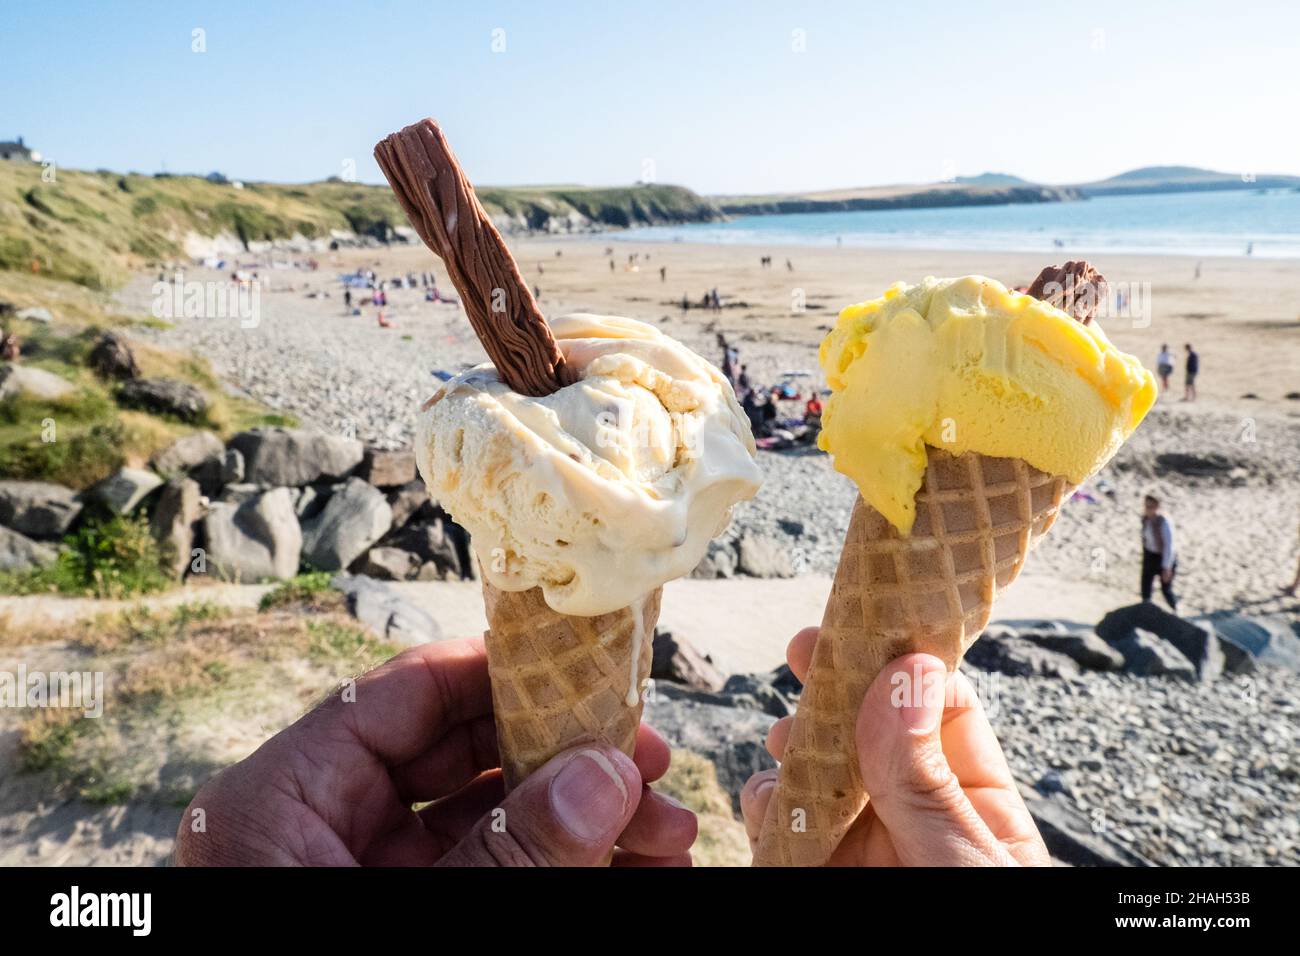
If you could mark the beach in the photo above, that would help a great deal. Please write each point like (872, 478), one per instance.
(1224, 463)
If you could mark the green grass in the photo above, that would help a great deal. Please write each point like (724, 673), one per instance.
(106, 558)
(93, 228)
(193, 688)
(85, 437)
(298, 590)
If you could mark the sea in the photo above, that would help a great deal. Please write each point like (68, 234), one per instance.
(1258, 222)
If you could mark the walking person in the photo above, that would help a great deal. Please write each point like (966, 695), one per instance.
(1158, 557)
(1193, 368)
(1164, 367)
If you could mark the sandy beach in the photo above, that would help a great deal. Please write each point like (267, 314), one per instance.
(1224, 463)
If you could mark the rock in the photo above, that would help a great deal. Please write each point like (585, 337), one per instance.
(123, 490)
(1146, 655)
(310, 501)
(783, 680)
(388, 469)
(435, 542)
(1266, 639)
(187, 452)
(355, 517)
(718, 562)
(677, 661)
(294, 457)
(175, 518)
(254, 540)
(111, 358)
(35, 314)
(38, 509)
(1069, 835)
(232, 466)
(731, 738)
(1194, 643)
(19, 552)
(763, 557)
(386, 612)
(1083, 647)
(407, 500)
(33, 382)
(238, 494)
(164, 396)
(757, 692)
(1002, 650)
(389, 564)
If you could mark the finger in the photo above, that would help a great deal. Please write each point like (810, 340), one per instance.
(799, 653)
(976, 757)
(755, 796)
(624, 858)
(914, 792)
(464, 752)
(660, 827)
(651, 754)
(568, 813)
(778, 735)
(972, 748)
(401, 708)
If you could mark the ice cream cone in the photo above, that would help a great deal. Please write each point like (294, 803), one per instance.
(560, 680)
(977, 518)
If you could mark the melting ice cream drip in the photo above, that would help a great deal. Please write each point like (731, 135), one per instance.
(638, 635)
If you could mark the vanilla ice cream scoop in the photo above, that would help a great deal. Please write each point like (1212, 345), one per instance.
(604, 490)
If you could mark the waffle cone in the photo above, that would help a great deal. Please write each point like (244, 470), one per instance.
(976, 520)
(559, 680)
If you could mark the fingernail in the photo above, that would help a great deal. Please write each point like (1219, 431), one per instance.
(588, 795)
(920, 704)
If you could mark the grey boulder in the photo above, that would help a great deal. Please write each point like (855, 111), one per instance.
(1146, 655)
(389, 564)
(386, 612)
(175, 518)
(718, 562)
(1003, 651)
(33, 382)
(295, 456)
(1083, 647)
(187, 452)
(676, 660)
(122, 491)
(763, 557)
(254, 540)
(355, 517)
(164, 396)
(19, 552)
(39, 509)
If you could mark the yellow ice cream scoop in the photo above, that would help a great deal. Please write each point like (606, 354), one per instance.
(968, 365)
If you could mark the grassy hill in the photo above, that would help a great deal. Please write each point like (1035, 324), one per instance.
(92, 228)
(923, 196)
(1177, 179)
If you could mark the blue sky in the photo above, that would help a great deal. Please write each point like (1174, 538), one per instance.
(715, 94)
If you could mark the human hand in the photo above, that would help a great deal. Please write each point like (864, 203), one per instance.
(336, 788)
(941, 791)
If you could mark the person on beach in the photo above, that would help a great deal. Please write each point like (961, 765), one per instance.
(663, 273)
(730, 358)
(1193, 368)
(812, 411)
(1164, 366)
(742, 381)
(1158, 558)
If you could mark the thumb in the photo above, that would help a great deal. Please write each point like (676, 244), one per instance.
(568, 813)
(913, 791)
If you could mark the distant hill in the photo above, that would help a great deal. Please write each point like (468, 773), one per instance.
(993, 179)
(1177, 179)
(92, 228)
(923, 196)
